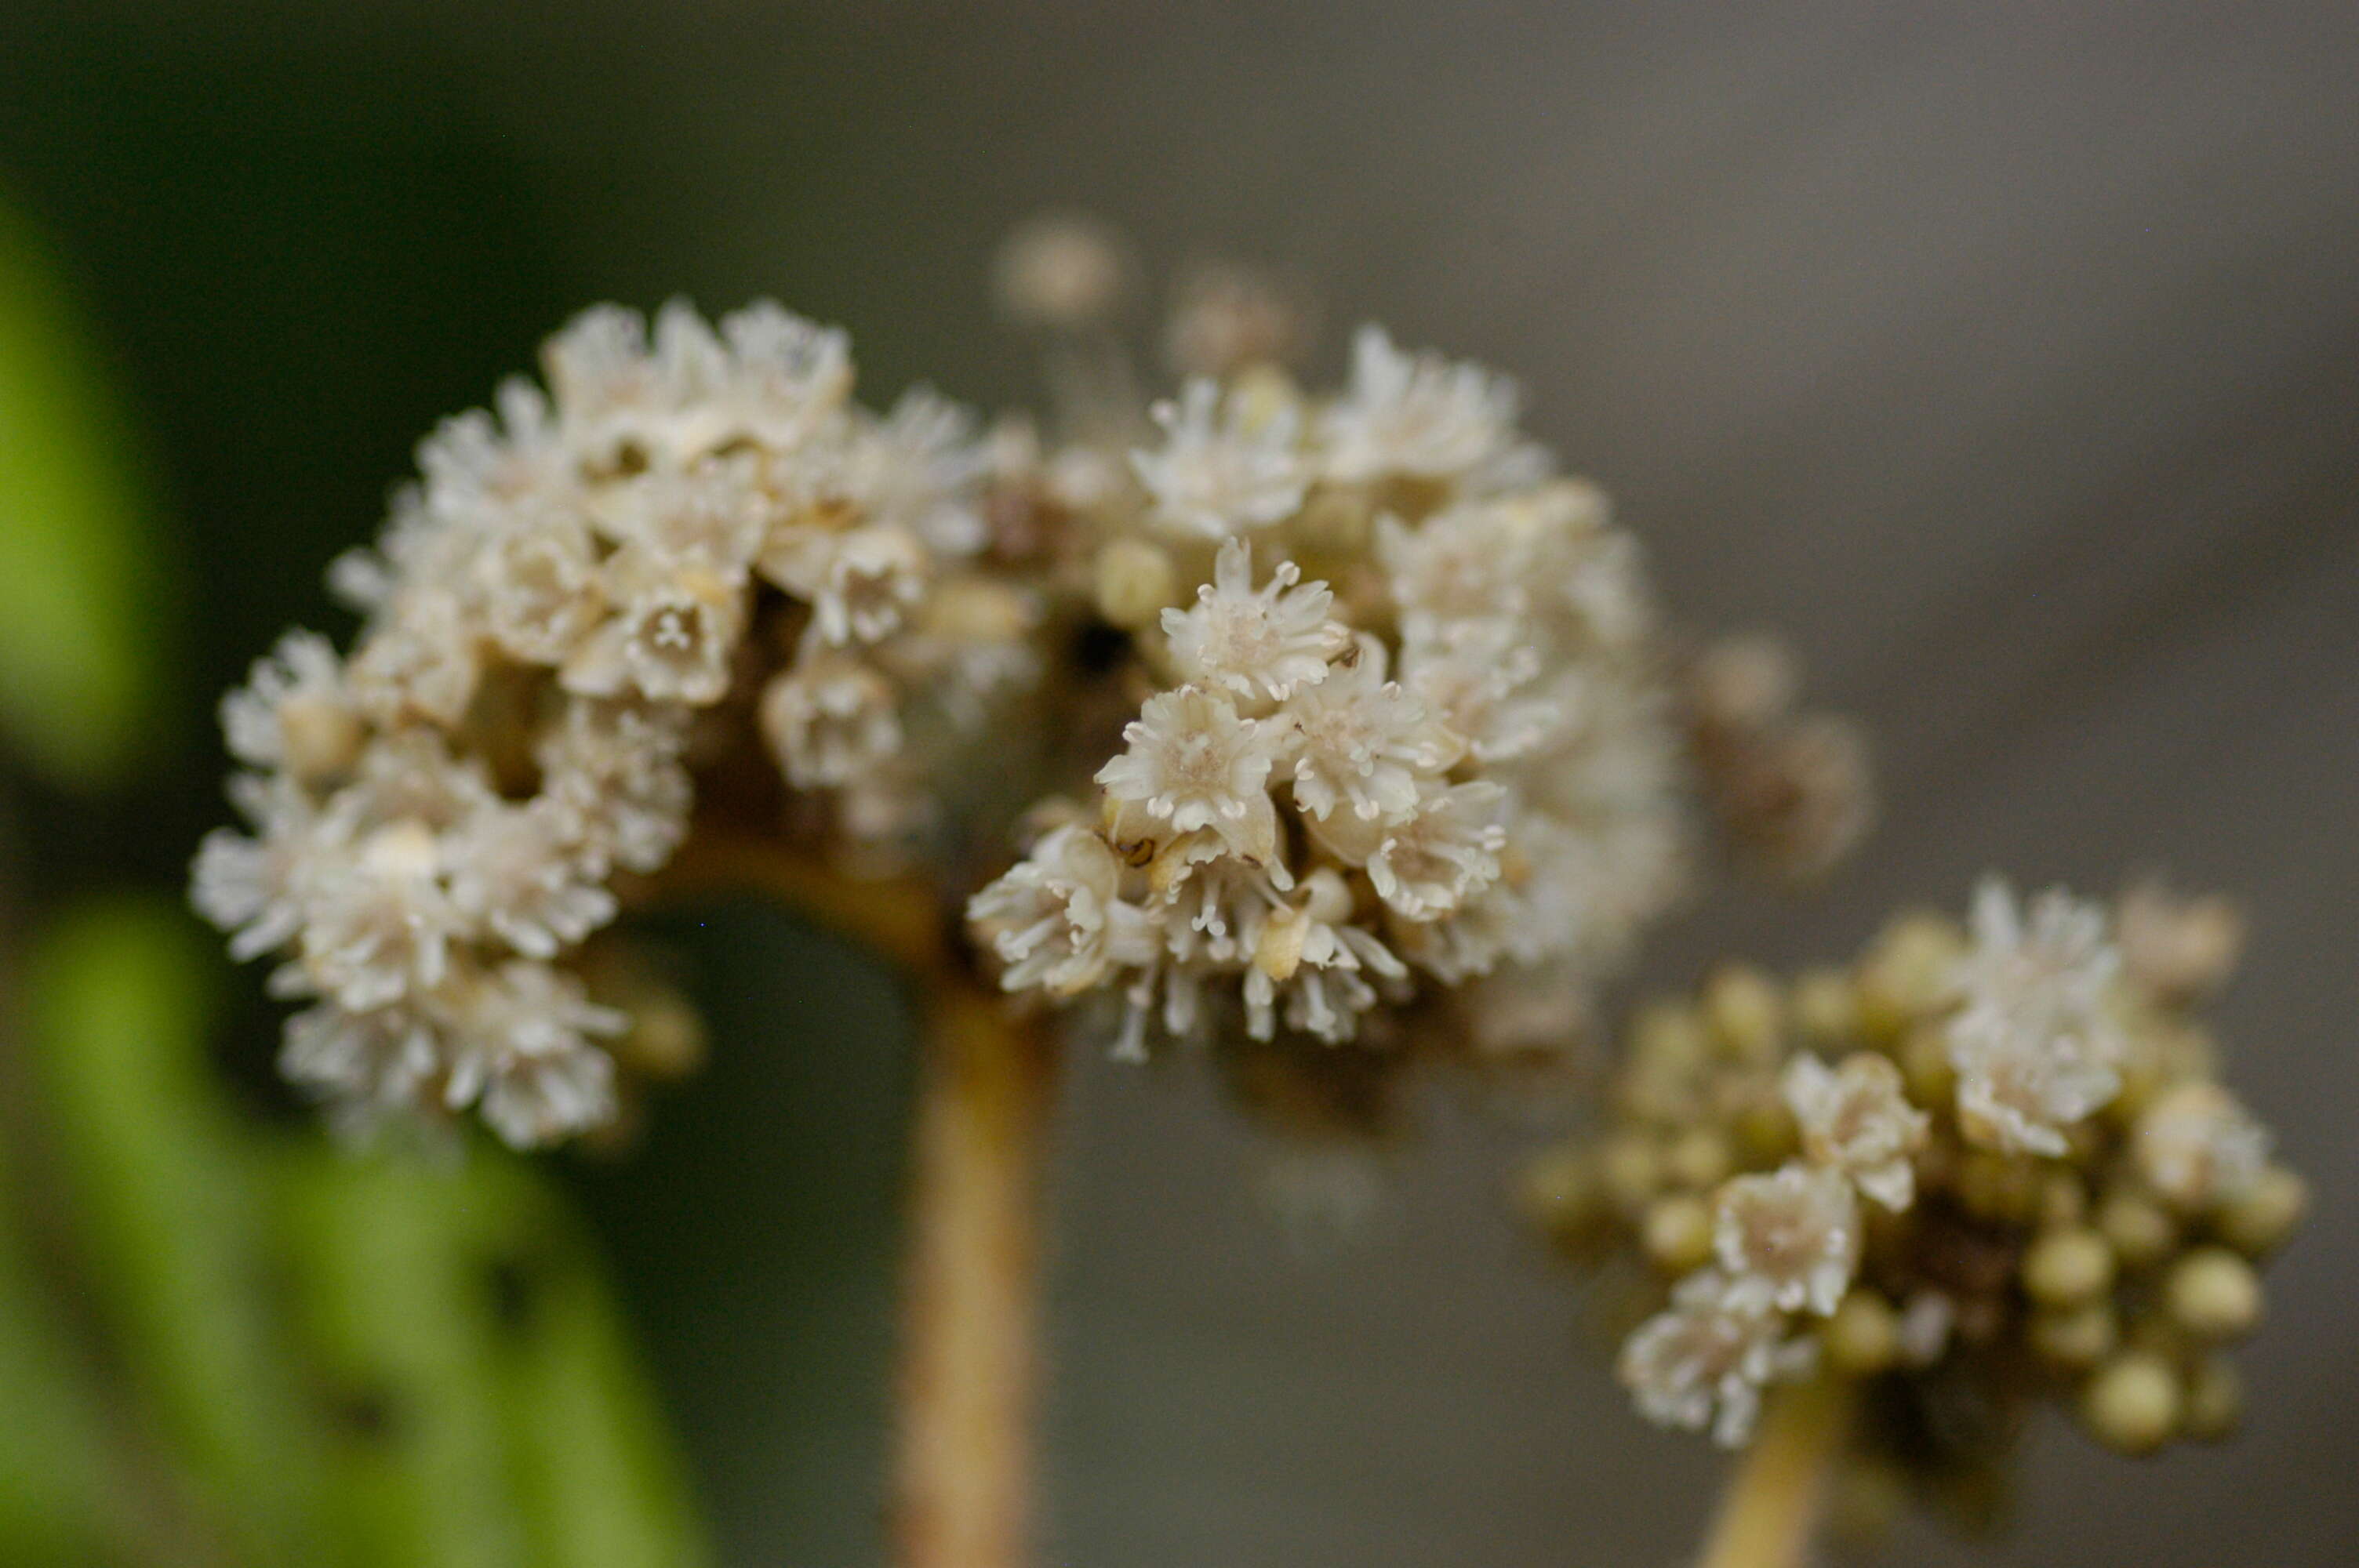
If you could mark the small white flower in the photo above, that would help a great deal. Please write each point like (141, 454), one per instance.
(769, 378)
(367, 1066)
(1060, 270)
(1789, 1241)
(1058, 920)
(516, 870)
(2197, 1147)
(1414, 415)
(420, 657)
(1255, 643)
(1473, 561)
(1704, 1361)
(831, 721)
(254, 887)
(711, 515)
(479, 469)
(379, 924)
(1193, 765)
(965, 648)
(1432, 860)
(1856, 1119)
(521, 1047)
(614, 769)
(2181, 947)
(861, 584)
(671, 637)
(540, 588)
(1222, 471)
(917, 470)
(2035, 1048)
(1308, 965)
(410, 776)
(294, 712)
(1364, 742)
(1477, 678)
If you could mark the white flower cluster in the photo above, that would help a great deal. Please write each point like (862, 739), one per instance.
(2036, 1045)
(1453, 755)
(1783, 1243)
(686, 514)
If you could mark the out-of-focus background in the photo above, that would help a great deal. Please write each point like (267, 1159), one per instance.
(2007, 357)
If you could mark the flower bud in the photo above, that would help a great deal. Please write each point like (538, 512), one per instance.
(1560, 1189)
(2259, 1219)
(1699, 1158)
(1676, 1233)
(2142, 1234)
(2214, 1295)
(2132, 1404)
(2067, 1267)
(1826, 1006)
(1862, 1337)
(1631, 1170)
(1747, 1013)
(1135, 582)
(1907, 974)
(2080, 1336)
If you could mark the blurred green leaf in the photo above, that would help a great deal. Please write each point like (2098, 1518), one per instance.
(170, 1215)
(492, 1411)
(54, 1507)
(602, 1482)
(394, 1315)
(78, 584)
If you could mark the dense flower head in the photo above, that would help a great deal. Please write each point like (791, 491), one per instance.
(690, 516)
(1403, 723)
(1819, 1164)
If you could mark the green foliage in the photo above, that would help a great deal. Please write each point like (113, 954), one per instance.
(483, 1406)
(78, 583)
(54, 1507)
(340, 1360)
(166, 1197)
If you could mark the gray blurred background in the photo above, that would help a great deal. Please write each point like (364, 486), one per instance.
(2007, 358)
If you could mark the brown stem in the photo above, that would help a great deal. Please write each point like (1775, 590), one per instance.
(899, 919)
(1771, 1511)
(987, 1083)
(963, 1478)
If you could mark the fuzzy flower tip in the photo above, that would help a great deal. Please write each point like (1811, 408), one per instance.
(1222, 467)
(1787, 1241)
(1255, 643)
(1855, 1118)
(2035, 1046)
(1705, 1360)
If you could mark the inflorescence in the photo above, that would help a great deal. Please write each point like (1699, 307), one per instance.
(1324, 705)
(690, 535)
(1405, 714)
(1975, 1168)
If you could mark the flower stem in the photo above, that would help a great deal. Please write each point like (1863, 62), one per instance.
(1771, 1511)
(963, 1478)
(962, 1472)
